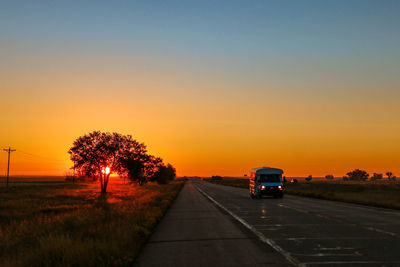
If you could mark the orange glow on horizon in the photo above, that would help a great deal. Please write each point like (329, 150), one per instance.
(212, 93)
(203, 125)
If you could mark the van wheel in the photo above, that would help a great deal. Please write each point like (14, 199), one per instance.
(251, 195)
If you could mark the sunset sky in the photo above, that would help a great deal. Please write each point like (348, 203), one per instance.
(213, 87)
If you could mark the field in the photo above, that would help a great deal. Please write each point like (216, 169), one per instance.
(375, 193)
(23, 179)
(64, 224)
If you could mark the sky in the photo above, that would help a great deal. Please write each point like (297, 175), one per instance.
(212, 87)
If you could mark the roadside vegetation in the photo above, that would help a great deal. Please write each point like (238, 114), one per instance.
(65, 224)
(356, 187)
(374, 193)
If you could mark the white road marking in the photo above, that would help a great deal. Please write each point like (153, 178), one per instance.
(288, 255)
(294, 224)
(353, 205)
(357, 254)
(335, 248)
(380, 231)
(328, 238)
(331, 218)
(351, 262)
(270, 242)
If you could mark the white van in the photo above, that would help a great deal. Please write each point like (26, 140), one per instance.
(266, 181)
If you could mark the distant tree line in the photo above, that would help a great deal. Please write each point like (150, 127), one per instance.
(216, 177)
(97, 155)
(361, 175)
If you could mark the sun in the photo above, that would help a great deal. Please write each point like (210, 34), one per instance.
(106, 170)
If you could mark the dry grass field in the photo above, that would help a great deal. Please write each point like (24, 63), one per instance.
(375, 193)
(64, 224)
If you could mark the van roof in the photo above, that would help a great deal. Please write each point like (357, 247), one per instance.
(267, 170)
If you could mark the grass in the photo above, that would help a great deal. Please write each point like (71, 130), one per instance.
(374, 193)
(72, 225)
(379, 194)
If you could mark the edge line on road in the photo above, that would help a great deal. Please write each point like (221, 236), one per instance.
(262, 237)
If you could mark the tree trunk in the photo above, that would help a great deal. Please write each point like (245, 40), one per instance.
(104, 178)
(102, 188)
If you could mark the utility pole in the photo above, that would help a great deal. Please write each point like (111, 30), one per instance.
(9, 150)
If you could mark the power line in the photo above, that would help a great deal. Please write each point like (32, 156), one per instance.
(30, 154)
(9, 150)
(37, 156)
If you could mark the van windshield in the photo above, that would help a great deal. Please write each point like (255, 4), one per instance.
(270, 178)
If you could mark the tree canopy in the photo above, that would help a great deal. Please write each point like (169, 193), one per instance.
(99, 154)
(377, 176)
(329, 177)
(164, 174)
(141, 169)
(358, 175)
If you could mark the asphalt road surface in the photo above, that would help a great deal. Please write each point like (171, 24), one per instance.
(312, 232)
(195, 232)
(213, 225)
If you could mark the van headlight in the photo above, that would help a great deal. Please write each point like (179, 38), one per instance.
(262, 187)
(280, 187)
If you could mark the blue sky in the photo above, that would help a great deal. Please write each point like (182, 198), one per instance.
(212, 68)
(239, 29)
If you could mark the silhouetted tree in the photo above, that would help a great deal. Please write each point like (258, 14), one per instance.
(389, 175)
(329, 177)
(358, 175)
(93, 153)
(142, 169)
(165, 174)
(135, 170)
(152, 166)
(377, 176)
(309, 178)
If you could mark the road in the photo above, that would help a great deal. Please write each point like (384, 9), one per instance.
(214, 225)
(312, 232)
(194, 232)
